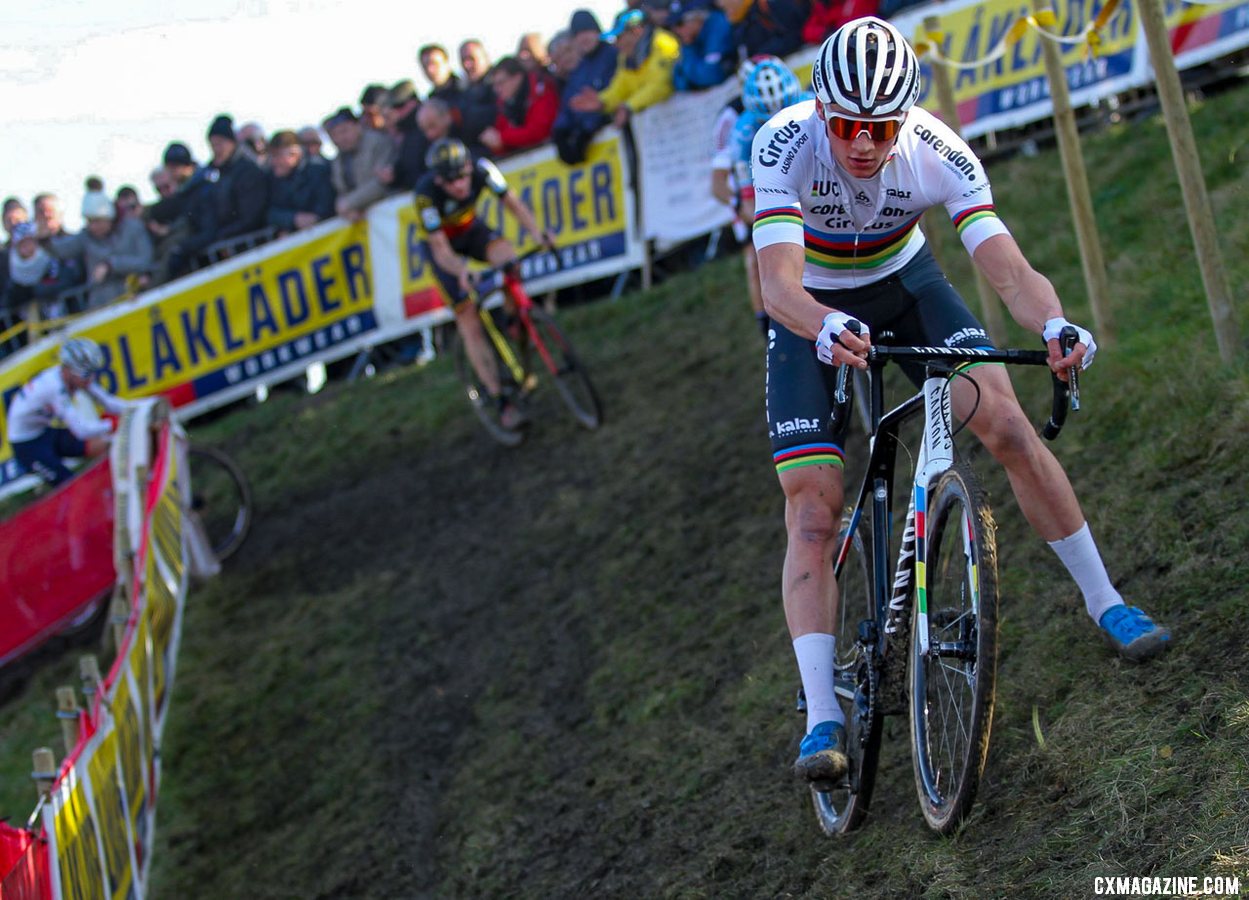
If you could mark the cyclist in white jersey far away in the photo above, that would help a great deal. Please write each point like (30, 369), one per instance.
(39, 446)
(840, 185)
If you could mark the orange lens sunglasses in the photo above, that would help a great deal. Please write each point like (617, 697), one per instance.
(878, 130)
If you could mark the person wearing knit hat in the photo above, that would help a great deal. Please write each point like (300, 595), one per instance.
(241, 193)
(222, 126)
(97, 205)
(584, 20)
(573, 130)
(178, 154)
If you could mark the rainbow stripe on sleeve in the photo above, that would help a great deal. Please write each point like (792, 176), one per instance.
(781, 215)
(969, 217)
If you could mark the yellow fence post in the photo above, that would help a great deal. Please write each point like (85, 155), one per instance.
(990, 303)
(1192, 181)
(1078, 195)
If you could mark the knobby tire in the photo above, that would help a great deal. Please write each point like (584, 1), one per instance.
(841, 808)
(222, 498)
(952, 692)
(484, 406)
(572, 381)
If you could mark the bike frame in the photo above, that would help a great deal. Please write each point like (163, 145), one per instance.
(514, 290)
(935, 456)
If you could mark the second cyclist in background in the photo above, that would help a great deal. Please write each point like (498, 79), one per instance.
(41, 446)
(768, 88)
(446, 204)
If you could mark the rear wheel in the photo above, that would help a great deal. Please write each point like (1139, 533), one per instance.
(222, 499)
(487, 408)
(570, 375)
(953, 680)
(841, 808)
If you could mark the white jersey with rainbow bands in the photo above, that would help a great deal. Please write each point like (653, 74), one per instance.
(851, 237)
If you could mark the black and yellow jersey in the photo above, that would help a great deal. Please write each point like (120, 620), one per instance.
(438, 210)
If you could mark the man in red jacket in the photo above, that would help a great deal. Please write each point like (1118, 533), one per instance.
(528, 103)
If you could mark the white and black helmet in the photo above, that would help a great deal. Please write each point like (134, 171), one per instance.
(82, 356)
(867, 68)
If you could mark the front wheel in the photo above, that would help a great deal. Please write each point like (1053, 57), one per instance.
(487, 408)
(222, 499)
(841, 808)
(954, 638)
(571, 378)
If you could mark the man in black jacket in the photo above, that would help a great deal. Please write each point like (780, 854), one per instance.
(300, 194)
(187, 218)
(242, 193)
(402, 106)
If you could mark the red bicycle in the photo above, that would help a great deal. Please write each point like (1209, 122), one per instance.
(525, 341)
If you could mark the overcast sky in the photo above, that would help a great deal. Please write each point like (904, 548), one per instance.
(101, 86)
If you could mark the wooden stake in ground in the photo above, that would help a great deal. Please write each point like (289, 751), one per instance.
(67, 711)
(1192, 181)
(990, 303)
(44, 770)
(1078, 195)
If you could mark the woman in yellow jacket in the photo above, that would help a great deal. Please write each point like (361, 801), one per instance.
(643, 69)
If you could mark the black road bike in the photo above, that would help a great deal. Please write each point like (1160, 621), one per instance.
(925, 642)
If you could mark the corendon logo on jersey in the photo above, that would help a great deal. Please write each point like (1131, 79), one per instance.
(770, 153)
(956, 157)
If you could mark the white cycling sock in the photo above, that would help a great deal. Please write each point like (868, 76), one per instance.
(1079, 554)
(816, 653)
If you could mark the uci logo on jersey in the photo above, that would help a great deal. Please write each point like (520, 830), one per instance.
(770, 153)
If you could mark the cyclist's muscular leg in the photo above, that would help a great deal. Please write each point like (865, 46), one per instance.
(813, 501)
(468, 322)
(1040, 484)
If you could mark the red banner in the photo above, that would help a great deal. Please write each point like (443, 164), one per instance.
(56, 557)
(24, 860)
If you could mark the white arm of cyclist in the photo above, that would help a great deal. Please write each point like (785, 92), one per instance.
(789, 303)
(80, 426)
(1031, 300)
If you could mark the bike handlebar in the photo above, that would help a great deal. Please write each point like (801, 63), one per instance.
(487, 276)
(1066, 393)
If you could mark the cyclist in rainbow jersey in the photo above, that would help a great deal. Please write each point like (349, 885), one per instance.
(840, 185)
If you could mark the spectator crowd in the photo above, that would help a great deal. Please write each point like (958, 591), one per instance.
(251, 187)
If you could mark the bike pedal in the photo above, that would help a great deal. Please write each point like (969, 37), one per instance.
(828, 785)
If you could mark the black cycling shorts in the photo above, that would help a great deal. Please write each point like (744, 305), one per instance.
(473, 242)
(915, 307)
(44, 455)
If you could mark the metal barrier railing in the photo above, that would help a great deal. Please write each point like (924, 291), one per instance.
(35, 319)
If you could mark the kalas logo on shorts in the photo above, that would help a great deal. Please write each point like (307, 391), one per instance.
(796, 425)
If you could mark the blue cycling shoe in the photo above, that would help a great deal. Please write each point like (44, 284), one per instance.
(822, 753)
(1133, 634)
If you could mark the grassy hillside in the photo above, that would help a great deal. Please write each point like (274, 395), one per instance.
(441, 668)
